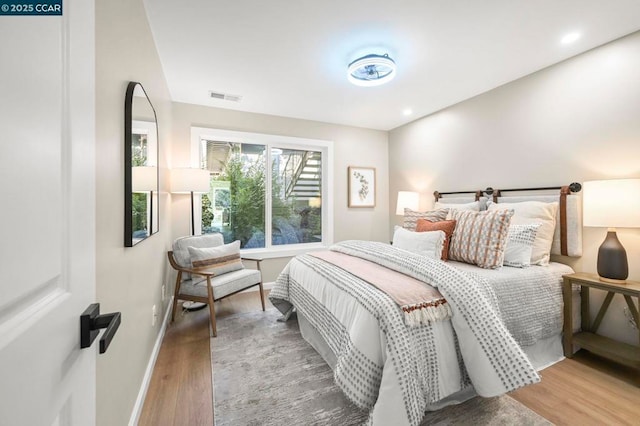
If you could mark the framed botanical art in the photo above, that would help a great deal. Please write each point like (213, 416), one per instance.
(362, 186)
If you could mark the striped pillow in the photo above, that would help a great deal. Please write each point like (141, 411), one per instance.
(480, 237)
(411, 217)
(219, 260)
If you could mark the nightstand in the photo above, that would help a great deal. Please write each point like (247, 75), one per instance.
(622, 353)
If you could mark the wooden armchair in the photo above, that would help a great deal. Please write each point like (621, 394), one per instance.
(202, 284)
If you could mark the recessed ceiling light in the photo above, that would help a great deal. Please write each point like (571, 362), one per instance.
(407, 111)
(570, 38)
(371, 70)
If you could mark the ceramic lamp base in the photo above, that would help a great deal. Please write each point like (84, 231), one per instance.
(612, 259)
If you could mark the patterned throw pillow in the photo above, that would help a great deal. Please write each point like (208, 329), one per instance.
(480, 237)
(219, 260)
(447, 226)
(411, 217)
(520, 245)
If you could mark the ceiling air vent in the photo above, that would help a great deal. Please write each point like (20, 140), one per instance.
(225, 96)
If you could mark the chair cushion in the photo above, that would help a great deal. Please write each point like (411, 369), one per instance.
(181, 248)
(223, 285)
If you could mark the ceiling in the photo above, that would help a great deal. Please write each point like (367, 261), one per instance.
(289, 57)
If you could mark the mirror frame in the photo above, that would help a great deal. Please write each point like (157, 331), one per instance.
(128, 168)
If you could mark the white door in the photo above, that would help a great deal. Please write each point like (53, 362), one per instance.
(47, 216)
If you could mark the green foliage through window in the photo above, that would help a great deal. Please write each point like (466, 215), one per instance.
(235, 205)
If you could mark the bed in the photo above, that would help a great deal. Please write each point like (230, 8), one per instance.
(476, 331)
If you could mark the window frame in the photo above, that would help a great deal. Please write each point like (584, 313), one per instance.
(273, 142)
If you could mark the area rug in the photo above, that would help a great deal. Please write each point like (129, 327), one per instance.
(265, 373)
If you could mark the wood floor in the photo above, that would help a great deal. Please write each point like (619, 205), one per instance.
(180, 392)
(585, 390)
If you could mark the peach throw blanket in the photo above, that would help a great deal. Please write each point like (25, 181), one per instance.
(420, 302)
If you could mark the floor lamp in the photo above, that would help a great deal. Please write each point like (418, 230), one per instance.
(190, 181)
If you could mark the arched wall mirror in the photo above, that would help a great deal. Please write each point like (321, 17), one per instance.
(140, 166)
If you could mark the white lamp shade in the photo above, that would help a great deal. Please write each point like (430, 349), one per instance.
(612, 203)
(144, 179)
(188, 180)
(407, 199)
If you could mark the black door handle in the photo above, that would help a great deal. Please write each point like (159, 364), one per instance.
(91, 322)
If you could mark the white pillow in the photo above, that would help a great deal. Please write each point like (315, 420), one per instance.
(428, 244)
(519, 247)
(530, 212)
(475, 206)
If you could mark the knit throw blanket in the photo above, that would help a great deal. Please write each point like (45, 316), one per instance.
(420, 302)
(395, 369)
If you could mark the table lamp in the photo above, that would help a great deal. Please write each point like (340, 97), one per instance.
(612, 204)
(407, 199)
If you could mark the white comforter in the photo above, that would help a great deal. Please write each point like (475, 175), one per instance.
(397, 371)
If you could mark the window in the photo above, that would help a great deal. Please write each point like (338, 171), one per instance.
(263, 179)
(144, 176)
(139, 199)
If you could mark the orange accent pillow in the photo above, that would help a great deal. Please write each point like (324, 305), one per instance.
(424, 225)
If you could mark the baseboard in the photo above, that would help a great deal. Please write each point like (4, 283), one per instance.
(137, 408)
(266, 286)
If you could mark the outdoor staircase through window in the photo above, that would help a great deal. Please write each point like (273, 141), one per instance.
(305, 183)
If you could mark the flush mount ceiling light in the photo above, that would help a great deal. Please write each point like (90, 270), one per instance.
(371, 70)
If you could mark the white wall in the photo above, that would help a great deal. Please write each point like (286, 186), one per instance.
(128, 279)
(352, 147)
(575, 121)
